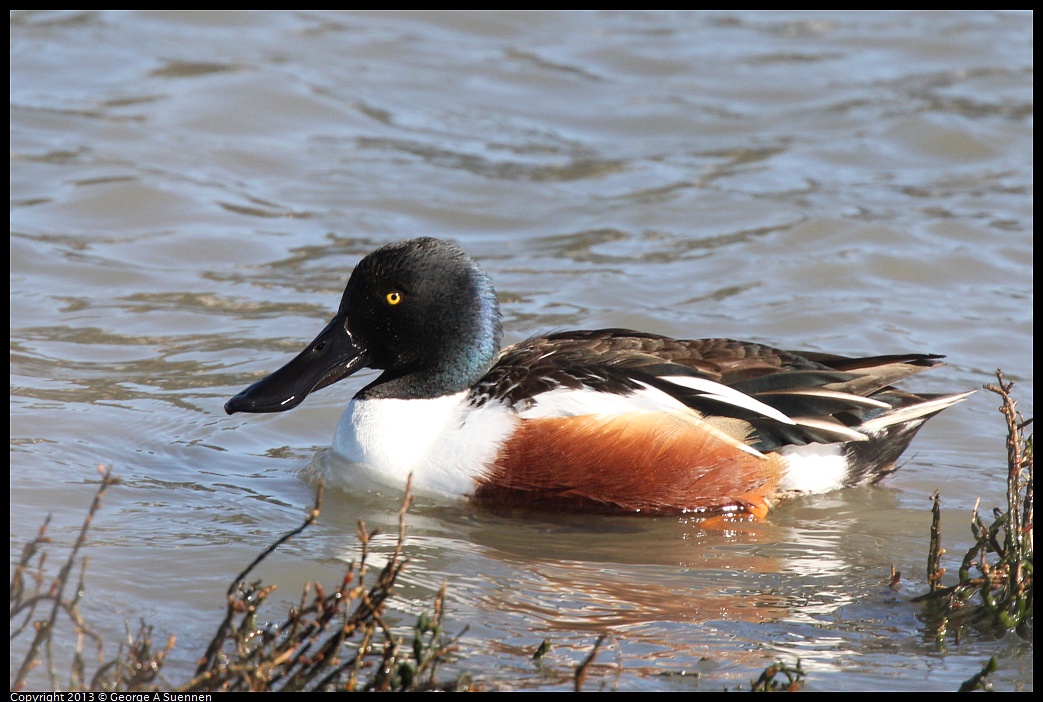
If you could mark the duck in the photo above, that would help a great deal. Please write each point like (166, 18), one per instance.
(605, 420)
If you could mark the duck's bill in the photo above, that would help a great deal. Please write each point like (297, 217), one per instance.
(331, 356)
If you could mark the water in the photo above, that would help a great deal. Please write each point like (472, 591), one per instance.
(190, 190)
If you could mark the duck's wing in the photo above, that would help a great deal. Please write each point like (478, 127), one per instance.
(787, 397)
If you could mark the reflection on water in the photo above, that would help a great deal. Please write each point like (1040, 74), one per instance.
(677, 589)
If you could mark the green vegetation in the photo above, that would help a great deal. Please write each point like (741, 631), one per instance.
(995, 577)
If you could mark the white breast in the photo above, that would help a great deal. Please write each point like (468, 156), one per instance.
(444, 442)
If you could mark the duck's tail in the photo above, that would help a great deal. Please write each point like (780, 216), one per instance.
(815, 468)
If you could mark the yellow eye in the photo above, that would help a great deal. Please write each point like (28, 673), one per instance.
(393, 298)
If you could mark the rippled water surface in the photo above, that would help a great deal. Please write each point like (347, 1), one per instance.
(190, 190)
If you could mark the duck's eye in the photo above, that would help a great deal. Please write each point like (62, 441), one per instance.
(394, 297)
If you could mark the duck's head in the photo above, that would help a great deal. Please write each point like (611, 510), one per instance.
(420, 310)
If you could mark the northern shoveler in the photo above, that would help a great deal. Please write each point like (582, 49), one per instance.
(607, 420)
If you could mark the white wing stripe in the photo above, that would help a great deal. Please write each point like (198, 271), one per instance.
(723, 393)
(906, 414)
(830, 394)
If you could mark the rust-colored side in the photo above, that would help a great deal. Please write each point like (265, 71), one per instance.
(636, 462)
